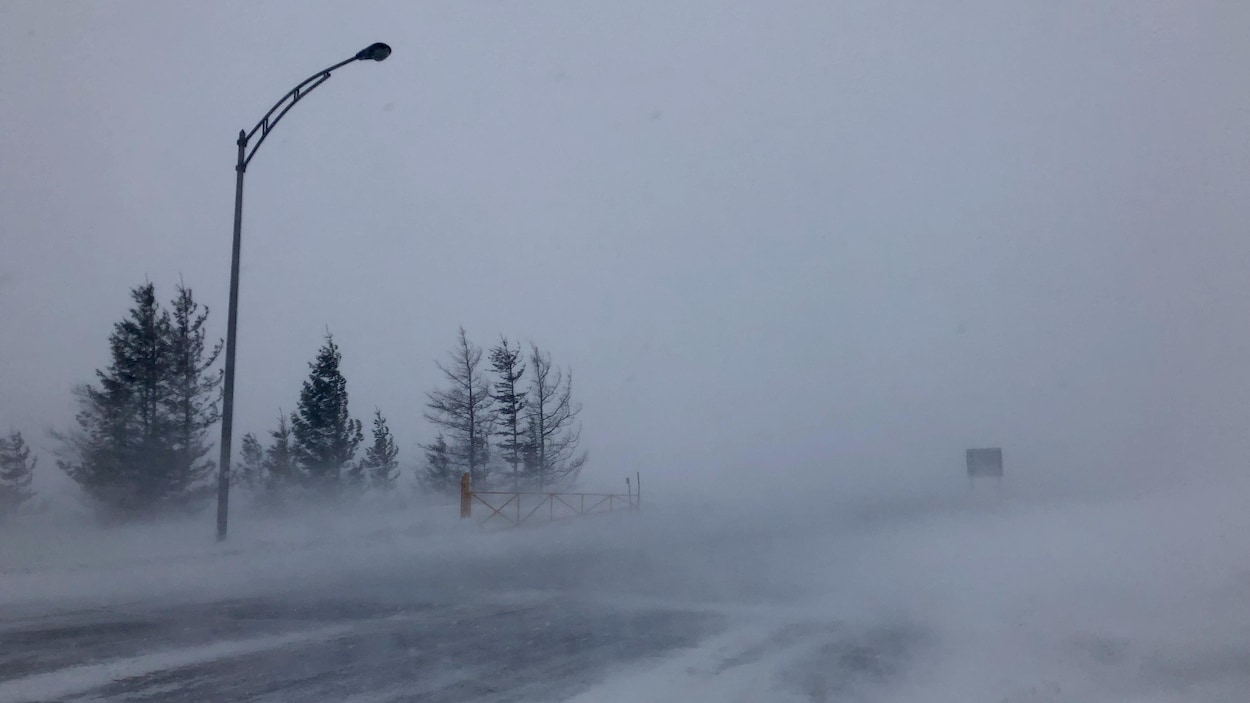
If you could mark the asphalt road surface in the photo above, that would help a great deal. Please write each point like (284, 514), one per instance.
(313, 649)
(998, 603)
(539, 623)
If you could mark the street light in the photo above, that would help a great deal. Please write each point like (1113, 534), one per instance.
(373, 52)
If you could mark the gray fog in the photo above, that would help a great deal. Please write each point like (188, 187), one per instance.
(799, 257)
(851, 238)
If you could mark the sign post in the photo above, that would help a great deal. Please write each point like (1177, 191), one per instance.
(466, 496)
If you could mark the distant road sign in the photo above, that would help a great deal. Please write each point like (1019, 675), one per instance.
(985, 462)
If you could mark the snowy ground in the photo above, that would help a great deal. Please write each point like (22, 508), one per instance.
(959, 598)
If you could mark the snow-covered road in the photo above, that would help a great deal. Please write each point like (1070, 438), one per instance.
(303, 648)
(1143, 599)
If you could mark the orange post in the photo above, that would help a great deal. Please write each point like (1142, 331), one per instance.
(466, 496)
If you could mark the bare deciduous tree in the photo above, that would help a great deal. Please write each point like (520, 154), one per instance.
(463, 409)
(552, 417)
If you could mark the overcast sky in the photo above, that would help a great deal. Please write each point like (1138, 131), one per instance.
(771, 239)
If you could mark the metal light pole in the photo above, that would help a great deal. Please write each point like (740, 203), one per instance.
(373, 52)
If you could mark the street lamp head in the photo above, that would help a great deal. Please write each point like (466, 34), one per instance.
(374, 52)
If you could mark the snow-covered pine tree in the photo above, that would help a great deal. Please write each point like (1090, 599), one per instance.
(17, 469)
(325, 435)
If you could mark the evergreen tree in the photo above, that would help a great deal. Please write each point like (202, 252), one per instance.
(282, 472)
(96, 453)
(192, 392)
(354, 477)
(141, 366)
(379, 465)
(119, 452)
(509, 367)
(439, 474)
(16, 471)
(144, 339)
(140, 439)
(463, 410)
(325, 436)
(250, 474)
(552, 417)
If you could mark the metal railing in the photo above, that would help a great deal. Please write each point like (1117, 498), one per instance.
(517, 508)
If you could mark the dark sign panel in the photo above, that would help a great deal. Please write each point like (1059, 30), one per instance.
(985, 462)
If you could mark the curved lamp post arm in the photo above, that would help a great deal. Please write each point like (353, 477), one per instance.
(280, 108)
(375, 52)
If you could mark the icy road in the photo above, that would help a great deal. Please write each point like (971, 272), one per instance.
(958, 600)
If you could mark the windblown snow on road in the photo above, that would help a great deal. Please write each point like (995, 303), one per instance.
(961, 597)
